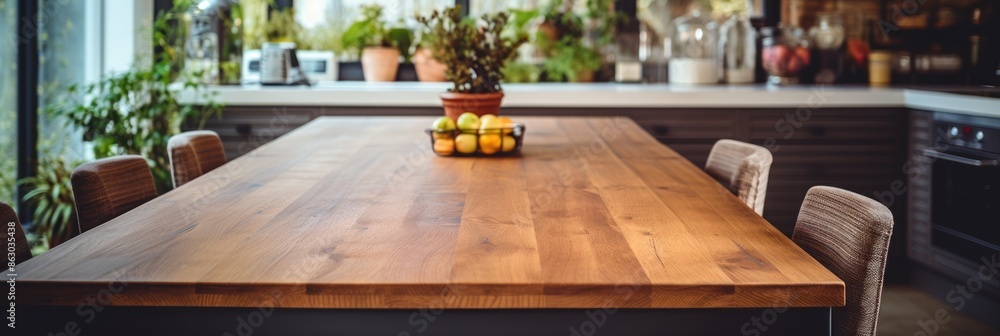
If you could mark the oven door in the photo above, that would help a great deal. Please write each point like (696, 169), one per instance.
(965, 203)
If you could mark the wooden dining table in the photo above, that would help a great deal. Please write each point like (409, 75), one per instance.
(353, 226)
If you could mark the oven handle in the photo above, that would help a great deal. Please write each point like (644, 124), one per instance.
(960, 159)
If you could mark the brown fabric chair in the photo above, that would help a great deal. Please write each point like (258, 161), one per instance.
(849, 234)
(22, 251)
(193, 154)
(743, 168)
(107, 188)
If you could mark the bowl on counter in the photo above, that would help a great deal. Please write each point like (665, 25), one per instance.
(487, 142)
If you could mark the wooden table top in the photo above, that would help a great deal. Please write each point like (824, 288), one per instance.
(357, 212)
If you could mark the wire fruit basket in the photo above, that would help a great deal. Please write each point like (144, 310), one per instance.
(487, 142)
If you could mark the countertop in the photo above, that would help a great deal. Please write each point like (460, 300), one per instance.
(612, 95)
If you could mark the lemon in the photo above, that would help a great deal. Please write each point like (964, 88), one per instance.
(465, 143)
(491, 125)
(508, 143)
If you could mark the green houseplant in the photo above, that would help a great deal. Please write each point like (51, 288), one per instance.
(475, 53)
(51, 195)
(137, 111)
(378, 46)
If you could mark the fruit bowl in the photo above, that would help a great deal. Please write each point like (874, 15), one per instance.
(486, 142)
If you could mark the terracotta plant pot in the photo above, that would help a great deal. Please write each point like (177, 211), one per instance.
(380, 64)
(428, 67)
(479, 103)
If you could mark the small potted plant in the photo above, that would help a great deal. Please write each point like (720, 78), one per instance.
(475, 52)
(428, 68)
(380, 47)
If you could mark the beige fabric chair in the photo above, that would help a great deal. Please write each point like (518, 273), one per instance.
(22, 251)
(743, 168)
(849, 234)
(193, 154)
(107, 188)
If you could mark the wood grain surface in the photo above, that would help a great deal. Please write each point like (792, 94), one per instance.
(357, 212)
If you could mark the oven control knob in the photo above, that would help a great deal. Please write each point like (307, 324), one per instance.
(980, 136)
(953, 132)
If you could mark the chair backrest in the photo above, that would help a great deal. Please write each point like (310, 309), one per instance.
(193, 154)
(849, 234)
(743, 168)
(11, 225)
(107, 188)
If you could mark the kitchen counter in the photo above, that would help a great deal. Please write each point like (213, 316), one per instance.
(611, 95)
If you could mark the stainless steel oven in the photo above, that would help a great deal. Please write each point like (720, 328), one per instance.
(965, 185)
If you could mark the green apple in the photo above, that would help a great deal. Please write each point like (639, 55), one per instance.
(468, 121)
(443, 124)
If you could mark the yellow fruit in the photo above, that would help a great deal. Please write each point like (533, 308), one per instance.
(508, 126)
(468, 121)
(487, 116)
(508, 143)
(489, 143)
(490, 125)
(444, 146)
(465, 143)
(443, 135)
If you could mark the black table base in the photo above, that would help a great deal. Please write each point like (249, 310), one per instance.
(86, 320)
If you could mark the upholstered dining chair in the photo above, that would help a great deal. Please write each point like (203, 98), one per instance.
(8, 218)
(107, 188)
(193, 154)
(743, 168)
(848, 234)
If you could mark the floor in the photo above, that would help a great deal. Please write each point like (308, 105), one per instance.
(904, 309)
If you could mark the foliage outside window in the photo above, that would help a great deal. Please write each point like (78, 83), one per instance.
(8, 104)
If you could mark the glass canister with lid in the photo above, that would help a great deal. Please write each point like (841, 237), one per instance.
(785, 54)
(828, 37)
(694, 50)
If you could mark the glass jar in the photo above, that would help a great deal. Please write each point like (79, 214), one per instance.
(785, 54)
(828, 41)
(694, 50)
(738, 41)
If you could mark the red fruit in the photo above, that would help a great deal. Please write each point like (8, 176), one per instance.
(767, 56)
(781, 53)
(858, 50)
(795, 64)
(803, 54)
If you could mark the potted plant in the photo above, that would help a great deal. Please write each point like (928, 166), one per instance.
(379, 47)
(475, 52)
(428, 68)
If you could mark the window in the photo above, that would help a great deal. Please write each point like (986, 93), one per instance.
(8, 102)
(313, 13)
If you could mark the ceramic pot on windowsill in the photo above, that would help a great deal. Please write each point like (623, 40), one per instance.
(429, 69)
(380, 64)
